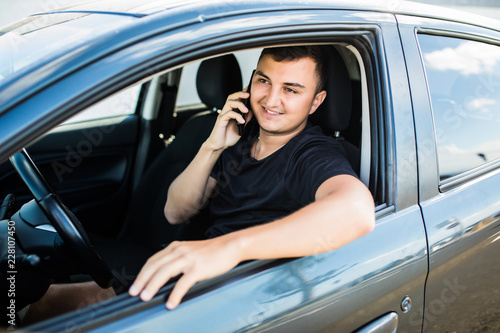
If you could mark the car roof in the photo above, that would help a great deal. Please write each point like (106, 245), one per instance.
(146, 7)
(129, 7)
(141, 8)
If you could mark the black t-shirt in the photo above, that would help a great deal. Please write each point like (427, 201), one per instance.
(251, 192)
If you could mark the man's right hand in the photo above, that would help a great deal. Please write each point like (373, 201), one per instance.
(195, 260)
(225, 131)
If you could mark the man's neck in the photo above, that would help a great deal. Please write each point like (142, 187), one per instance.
(267, 143)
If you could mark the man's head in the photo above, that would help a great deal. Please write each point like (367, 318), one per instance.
(287, 87)
(293, 53)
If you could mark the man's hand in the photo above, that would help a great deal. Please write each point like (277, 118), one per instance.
(225, 132)
(195, 260)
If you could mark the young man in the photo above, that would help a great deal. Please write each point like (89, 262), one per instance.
(279, 191)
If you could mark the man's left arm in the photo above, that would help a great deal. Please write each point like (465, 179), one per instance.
(343, 211)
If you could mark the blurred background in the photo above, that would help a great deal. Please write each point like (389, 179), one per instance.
(489, 8)
(13, 10)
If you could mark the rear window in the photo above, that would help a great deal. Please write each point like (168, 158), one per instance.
(464, 85)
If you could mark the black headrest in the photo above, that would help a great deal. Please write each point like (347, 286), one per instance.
(335, 112)
(217, 78)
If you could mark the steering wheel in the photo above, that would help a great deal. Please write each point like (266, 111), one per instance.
(63, 220)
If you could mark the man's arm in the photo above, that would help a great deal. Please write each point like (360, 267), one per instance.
(189, 192)
(342, 212)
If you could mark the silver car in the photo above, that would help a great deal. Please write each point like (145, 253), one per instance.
(103, 104)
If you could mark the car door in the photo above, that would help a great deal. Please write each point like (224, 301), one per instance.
(88, 160)
(455, 88)
(377, 280)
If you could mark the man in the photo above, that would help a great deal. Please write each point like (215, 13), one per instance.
(277, 192)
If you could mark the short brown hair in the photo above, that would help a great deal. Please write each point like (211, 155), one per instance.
(292, 53)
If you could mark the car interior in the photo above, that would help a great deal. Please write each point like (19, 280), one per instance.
(117, 188)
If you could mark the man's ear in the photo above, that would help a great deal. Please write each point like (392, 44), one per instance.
(318, 99)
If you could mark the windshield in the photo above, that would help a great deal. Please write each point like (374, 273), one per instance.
(44, 37)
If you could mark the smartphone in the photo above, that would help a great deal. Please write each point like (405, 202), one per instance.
(247, 104)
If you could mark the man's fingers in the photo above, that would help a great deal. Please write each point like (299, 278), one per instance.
(150, 270)
(181, 288)
(235, 101)
(159, 278)
(140, 281)
(234, 106)
(186, 258)
(233, 114)
(238, 96)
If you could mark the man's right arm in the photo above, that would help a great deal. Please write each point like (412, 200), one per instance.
(190, 191)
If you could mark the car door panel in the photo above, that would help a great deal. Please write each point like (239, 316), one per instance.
(333, 291)
(464, 228)
(88, 165)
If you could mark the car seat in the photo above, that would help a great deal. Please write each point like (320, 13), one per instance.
(334, 114)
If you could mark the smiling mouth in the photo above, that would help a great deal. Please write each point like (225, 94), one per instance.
(274, 113)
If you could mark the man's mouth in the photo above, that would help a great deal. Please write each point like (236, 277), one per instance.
(273, 113)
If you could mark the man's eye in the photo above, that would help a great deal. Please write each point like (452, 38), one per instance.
(262, 80)
(290, 90)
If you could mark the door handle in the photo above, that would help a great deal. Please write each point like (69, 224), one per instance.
(385, 324)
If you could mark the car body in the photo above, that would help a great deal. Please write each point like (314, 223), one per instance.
(429, 153)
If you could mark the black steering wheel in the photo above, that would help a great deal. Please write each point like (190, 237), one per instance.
(63, 220)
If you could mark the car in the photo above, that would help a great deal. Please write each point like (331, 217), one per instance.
(103, 104)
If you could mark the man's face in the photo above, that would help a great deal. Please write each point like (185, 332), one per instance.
(283, 94)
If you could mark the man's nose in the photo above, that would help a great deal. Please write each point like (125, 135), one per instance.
(273, 98)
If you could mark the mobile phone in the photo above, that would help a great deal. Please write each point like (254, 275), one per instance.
(247, 104)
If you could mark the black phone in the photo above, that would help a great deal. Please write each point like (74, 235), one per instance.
(247, 104)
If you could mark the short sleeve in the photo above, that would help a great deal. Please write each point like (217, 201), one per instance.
(312, 164)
